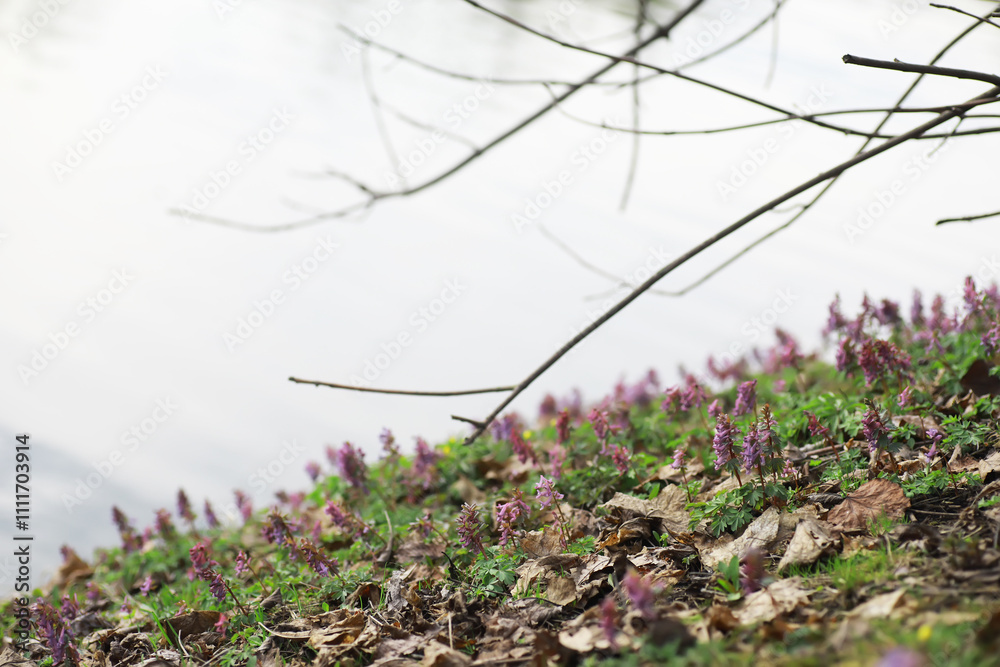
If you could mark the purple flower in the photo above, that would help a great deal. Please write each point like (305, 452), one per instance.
(319, 563)
(508, 515)
(164, 526)
(312, 469)
(991, 339)
(93, 592)
(751, 453)
(609, 620)
(752, 570)
(875, 430)
(714, 409)
(725, 432)
(210, 518)
(425, 463)
(521, 448)
(694, 394)
(816, 429)
(146, 585)
(388, 441)
(602, 429)
(242, 564)
(973, 300)
(678, 462)
(901, 657)
(57, 633)
(936, 437)
(199, 556)
(641, 594)
(888, 313)
(545, 494)
(917, 310)
(562, 427)
(846, 357)
(350, 464)
(130, 542)
(905, 396)
(215, 584)
(244, 505)
(184, 507)
(746, 398)
(836, 319)
(621, 458)
(469, 528)
(557, 457)
(670, 404)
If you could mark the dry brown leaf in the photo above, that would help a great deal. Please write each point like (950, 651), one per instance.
(561, 591)
(762, 533)
(669, 506)
(872, 500)
(192, 623)
(778, 599)
(540, 543)
(11, 658)
(437, 654)
(880, 606)
(812, 540)
(73, 569)
(988, 465)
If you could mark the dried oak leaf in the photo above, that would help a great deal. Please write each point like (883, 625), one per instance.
(182, 626)
(991, 464)
(812, 540)
(668, 506)
(764, 533)
(880, 606)
(438, 655)
(872, 500)
(11, 658)
(778, 599)
(73, 569)
(541, 543)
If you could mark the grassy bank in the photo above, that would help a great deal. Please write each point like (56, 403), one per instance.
(776, 510)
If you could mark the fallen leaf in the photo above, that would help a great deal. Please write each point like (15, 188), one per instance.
(561, 591)
(879, 606)
(438, 655)
(989, 465)
(872, 500)
(669, 506)
(539, 543)
(73, 569)
(811, 541)
(11, 658)
(192, 623)
(778, 599)
(764, 533)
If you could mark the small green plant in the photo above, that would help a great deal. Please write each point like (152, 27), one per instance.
(493, 573)
(728, 579)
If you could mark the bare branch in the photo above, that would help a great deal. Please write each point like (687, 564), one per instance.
(707, 243)
(401, 392)
(922, 69)
(981, 19)
(968, 218)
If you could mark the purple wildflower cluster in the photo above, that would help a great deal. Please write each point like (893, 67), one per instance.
(546, 495)
(470, 529)
(641, 594)
(346, 520)
(206, 570)
(746, 398)
(350, 464)
(184, 510)
(58, 635)
(875, 430)
(425, 464)
(522, 449)
(682, 399)
(210, 518)
(572, 405)
(752, 570)
(509, 514)
(130, 541)
(243, 504)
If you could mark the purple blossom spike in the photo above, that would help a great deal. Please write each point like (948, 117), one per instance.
(130, 542)
(752, 570)
(350, 464)
(678, 462)
(545, 493)
(210, 518)
(469, 528)
(693, 395)
(641, 594)
(602, 429)
(242, 564)
(752, 456)
(714, 409)
(621, 458)
(846, 357)
(836, 319)
(508, 515)
(425, 463)
(609, 620)
(875, 430)
(905, 397)
(319, 563)
(991, 339)
(522, 449)
(917, 310)
(562, 427)
(312, 469)
(557, 458)
(164, 526)
(816, 429)
(725, 433)
(147, 584)
(389, 446)
(57, 633)
(184, 507)
(244, 505)
(746, 398)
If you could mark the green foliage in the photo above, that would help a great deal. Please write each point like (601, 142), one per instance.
(493, 573)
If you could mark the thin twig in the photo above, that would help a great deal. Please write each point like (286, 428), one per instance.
(981, 19)
(922, 69)
(709, 242)
(968, 218)
(402, 392)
